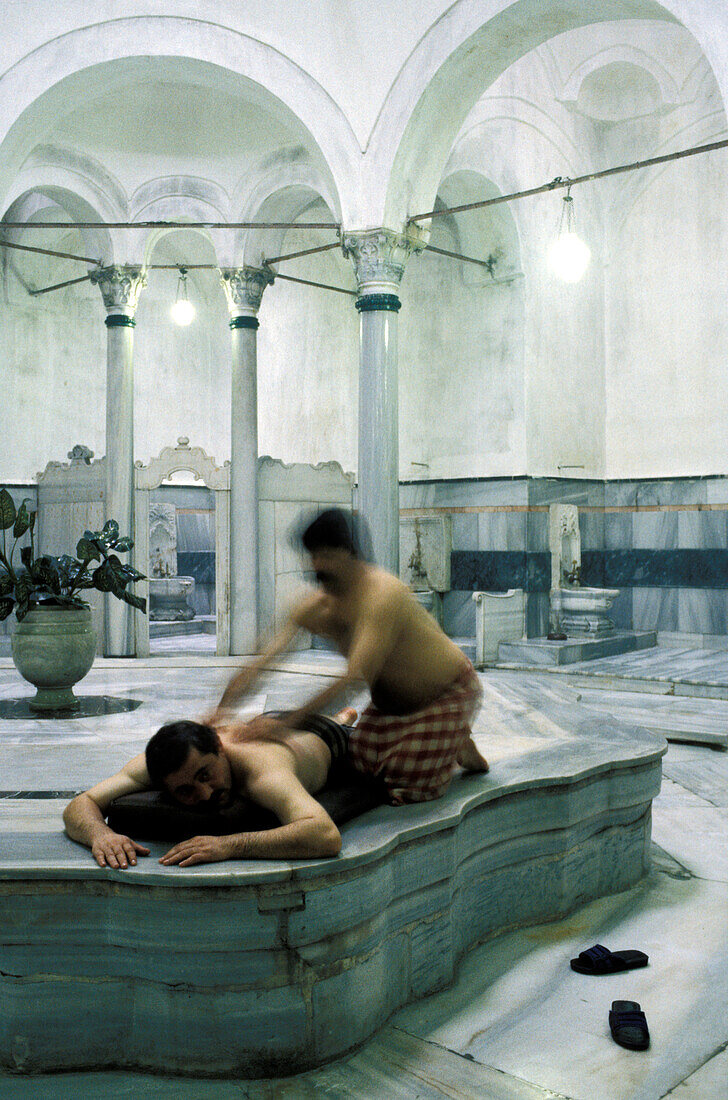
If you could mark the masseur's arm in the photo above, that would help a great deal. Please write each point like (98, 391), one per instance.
(306, 832)
(84, 817)
(243, 680)
(372, 642)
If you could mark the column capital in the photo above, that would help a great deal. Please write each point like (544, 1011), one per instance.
(120, 286)
(244, 288)
(379, 257)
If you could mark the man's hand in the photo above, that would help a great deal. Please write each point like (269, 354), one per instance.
(199, 849)
(114, 850)
(261, 727)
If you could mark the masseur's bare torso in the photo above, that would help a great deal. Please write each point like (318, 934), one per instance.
(421, 661)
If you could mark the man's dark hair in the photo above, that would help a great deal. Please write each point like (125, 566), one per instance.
(331, 530)
(170, 746)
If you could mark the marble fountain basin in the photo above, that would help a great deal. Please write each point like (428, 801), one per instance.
(256, 968)
(587, 599)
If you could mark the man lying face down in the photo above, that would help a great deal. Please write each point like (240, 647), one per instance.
(201, 766)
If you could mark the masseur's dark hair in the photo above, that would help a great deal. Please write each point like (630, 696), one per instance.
(170, 746)
(333, 529)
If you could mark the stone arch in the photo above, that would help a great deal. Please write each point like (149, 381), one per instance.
(287, 203)
(48, 193)
(409, 146)
(206, 51)
(622, 54)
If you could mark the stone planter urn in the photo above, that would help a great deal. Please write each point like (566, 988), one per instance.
(53, 648)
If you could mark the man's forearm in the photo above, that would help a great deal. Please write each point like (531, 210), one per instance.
(84, 821)
(246, 677)
(299, 840)
(322, 699)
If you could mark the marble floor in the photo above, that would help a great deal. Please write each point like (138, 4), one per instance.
(517, 1024)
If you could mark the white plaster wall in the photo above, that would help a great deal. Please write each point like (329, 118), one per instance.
(53, 374)
(667, 413)
(308, 362)
(461, 369)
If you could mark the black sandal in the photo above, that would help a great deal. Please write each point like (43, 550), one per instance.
(600, 960)
(628, 1025)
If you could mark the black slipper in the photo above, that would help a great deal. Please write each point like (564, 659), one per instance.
(628, 1025)
(600, 960)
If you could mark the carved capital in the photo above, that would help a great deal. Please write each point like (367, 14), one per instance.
(244, 288)
(379, 257)
(120, 286)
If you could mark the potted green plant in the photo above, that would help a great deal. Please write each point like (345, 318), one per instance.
(54, 644)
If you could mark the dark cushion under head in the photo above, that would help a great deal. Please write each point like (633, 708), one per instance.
(151, 815)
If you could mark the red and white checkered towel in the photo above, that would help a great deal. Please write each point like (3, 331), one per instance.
(414, 754)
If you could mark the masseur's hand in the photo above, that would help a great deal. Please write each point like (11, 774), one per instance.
(199, 849)
(113, 850)
(262, 726)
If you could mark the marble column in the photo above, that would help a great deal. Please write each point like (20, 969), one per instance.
(120, 286)
(379, 257)
(244, 288)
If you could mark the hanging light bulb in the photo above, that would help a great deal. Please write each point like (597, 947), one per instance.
(182, 311)
(568, 256)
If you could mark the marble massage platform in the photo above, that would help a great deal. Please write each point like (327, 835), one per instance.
(261, 968)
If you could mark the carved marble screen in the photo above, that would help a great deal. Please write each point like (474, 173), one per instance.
(70, 501)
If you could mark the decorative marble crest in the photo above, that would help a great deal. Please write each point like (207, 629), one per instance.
(120, 286)
(244, 287)
(80, 455)
(182, 457)
(379, 256)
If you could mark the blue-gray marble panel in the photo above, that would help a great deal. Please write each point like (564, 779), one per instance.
(420, 494)
(716, 490)
(502, 530)
(621, 611)
(654, 530)
(563, 491)
(537, 531)
(537, 614)
(458, 494)
(703, 611)
(618, 531)
(465, 531)
(656, 492)
(702, 530)
(657, 568)
(655, 608)
(195, 532)
(458, 614)
(591, 528)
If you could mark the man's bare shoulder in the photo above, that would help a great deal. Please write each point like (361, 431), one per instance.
(384, 590)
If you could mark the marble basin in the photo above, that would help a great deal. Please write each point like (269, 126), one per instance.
(169, 599)
(587, 599)
(582, 611)
(254, 968)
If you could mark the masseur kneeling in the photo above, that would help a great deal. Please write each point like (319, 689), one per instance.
(424, 691)
(200, 766)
